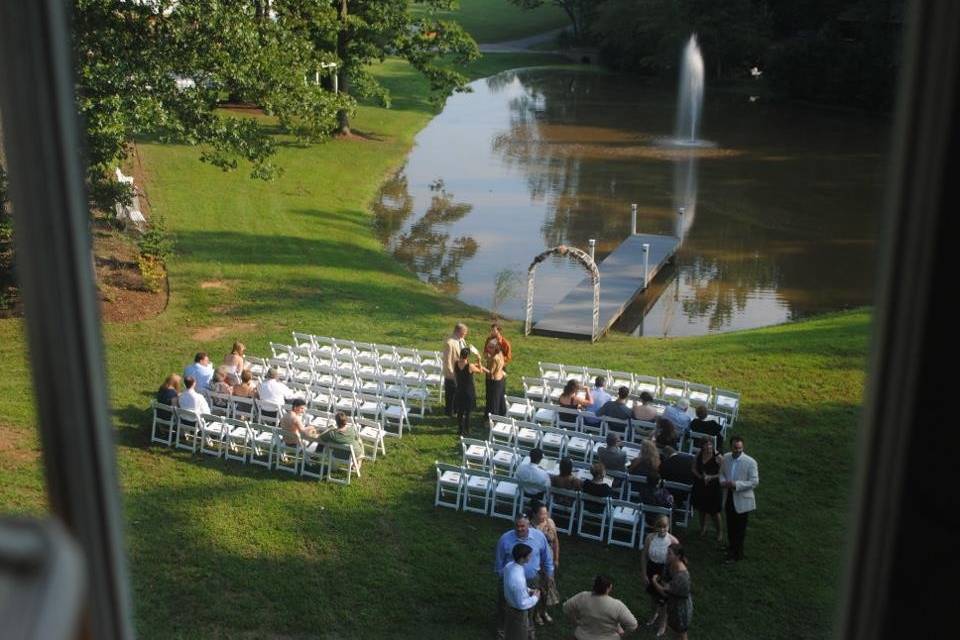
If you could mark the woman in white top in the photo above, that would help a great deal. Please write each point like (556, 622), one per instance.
(652, 563)
(234, 362)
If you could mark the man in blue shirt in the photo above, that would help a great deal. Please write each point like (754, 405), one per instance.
(201, 370)
(541, 558)
(520, 598)
(677, 414)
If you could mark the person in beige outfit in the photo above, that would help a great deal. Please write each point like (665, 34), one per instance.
(598, 616)
(451, 352)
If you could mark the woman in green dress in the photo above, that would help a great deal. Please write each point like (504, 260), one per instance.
(676, 588)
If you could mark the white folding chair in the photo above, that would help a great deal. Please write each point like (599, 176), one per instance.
(551, 370)
(314, 459)
(563, 417)
(258, 367)
(727, 403)
(268, 413)
(534, 388)
(506, 495)
(262, 439)
(619, 379)
(650, 384)
(324, 348)
(220, 404)
(553, 442)
(244, 408)
(341, 458)
(641, 430)
(189, 426)
(475, 453)
(699, 394)
(371, 434)
(625, 521)
(394, 414)
(681, 500)
(616, 425)
(281, 351)
(592, 425)
(287, 456)
(303, 340)
(579, 448)
(370, 406)
(301, 372)
(478, 491)
(213, 431)
(674, 389)
(450, 480)
(528, 435)
(562, 505)
(502, 430)
(518, 408)
(164, 417)
(504, 459)
(236, 440)
(592, 517)
(543, 413)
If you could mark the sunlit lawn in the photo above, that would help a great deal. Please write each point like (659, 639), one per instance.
(226, 550)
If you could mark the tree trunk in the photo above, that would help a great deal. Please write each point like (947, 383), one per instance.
(343, 39)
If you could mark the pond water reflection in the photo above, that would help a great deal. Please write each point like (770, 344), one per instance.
(780, 222)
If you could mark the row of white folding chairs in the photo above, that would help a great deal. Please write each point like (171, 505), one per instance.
(387, 387)
(608, 520)
(555, 442)
(263, 445)
(725, 401)
(292, 357)
(549, 414)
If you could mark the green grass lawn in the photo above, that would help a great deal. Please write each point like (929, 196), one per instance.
(499, 20)
(221, 550)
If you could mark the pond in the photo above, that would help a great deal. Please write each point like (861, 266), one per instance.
(782, 210)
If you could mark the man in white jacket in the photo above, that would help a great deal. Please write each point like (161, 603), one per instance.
(738, 478)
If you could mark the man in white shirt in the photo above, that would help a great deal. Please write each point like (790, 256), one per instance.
(272, 390)
(451, 351)
(201, 370)
(190, 399)
(535, 479)
(520, 598)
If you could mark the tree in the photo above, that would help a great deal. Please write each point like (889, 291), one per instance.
(161, 68)
(580, 12)
(368, 31)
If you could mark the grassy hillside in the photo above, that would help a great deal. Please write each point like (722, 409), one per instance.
(225, 550)
(499, 20)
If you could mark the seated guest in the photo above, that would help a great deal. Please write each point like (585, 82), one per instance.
(536, 481)
(647, 464)
(190, 399)
(234, 363)
(201, 370)
(700, 424)
(676, 466)
(272, 390)
(644, 410)
(169, 390)
(597, 616)
(345, 433)
(565, 479)
(247, 388)
(677, 414)
(569, 397)
(667, 435)
(617, 408)
(596, 487)
(219, 382)
(612, 455)
(292, 423)
(598, 394)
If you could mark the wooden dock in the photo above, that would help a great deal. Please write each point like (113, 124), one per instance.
(621, 281)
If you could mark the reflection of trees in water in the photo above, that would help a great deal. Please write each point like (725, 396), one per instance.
(425, 248)
(720, 288)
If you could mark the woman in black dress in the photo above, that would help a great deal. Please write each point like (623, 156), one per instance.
(466, 397)
(707, 497)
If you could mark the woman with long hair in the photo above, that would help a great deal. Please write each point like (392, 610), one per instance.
(466, 396)
(707, 496)
(234, 363)
(549, 596)
(675, 587)
(653, 562)
(496, 380)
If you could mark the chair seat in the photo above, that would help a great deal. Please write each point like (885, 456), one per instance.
(369, 433)
(528, 435)
(552, 440)
(504, 457)
(502, 428)
(238, 432)
(476, 451)
(369, 407)
(544, 415)
(450, 478)
(215, 427)
(478, 482)
(418, 394)
(264, 437)
(646, 386)
(624, 514)
(699, 396)
(578, 444)
(312, 447)
(535, 391)
(517, 409)
(506, 489)
(395, 411)
(729, 403)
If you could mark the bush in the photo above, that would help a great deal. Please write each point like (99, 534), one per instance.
(156, 247)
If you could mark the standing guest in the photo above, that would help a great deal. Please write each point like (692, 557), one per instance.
(667, 435)
(465, 394)
(707, 497)
(496, 380)
(190, 399)
(612, 455)
(536, 481)
(598, 616)
(234, 362)
(598, 395)
(541, 520)
(617, 408)
(700, 424)
(169, 390)
(677, 414)
(451, 351)
(345, 433)
(644, 410)
(653, 562)
(201, 370)
(738, 478)
(246, 388)
(565, 479)
(496, 331)
(540, 556)
(675, 587)
(520, 599)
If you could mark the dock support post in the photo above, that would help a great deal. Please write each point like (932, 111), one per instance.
(646, 264)
(633, 219)
(593, 249)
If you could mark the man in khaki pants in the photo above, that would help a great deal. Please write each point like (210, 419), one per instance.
(451, 351)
